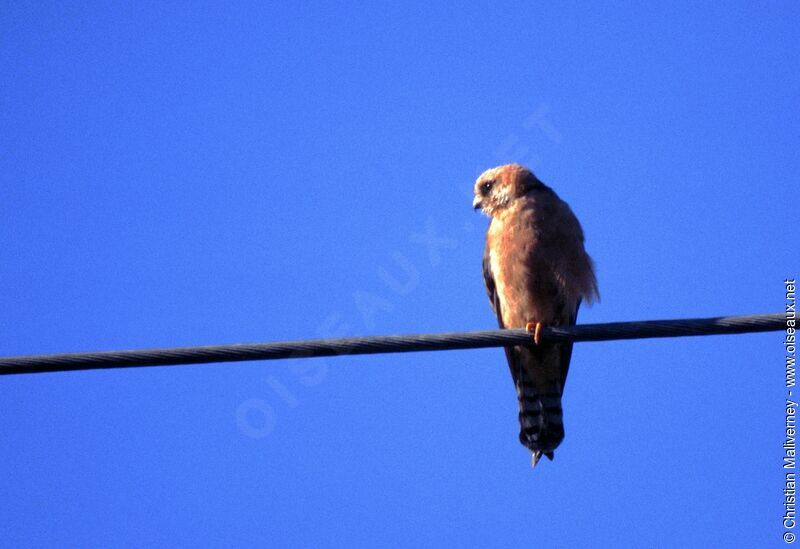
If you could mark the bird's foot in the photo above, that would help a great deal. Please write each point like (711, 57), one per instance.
(536, 329)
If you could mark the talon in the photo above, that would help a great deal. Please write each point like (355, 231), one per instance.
(535, 328)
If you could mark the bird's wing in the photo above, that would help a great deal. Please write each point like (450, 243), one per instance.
(494, 300)
(566, 348)
(491, 288)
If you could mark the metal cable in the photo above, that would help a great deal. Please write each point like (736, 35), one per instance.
(389, 344)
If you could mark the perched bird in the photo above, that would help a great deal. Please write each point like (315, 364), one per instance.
(537, 273)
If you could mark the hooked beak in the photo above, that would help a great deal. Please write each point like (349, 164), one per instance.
(476, 203)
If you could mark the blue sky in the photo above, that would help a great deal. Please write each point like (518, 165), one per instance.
(186, 174)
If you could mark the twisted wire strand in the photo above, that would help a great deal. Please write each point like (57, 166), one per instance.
(389, 344)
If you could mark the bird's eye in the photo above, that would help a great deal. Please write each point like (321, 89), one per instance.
(486, 187)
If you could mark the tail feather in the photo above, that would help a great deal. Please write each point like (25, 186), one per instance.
(541, 422)
(540, 413)
(537, 455)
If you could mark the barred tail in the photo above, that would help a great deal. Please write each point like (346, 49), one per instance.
(541, 424)
(540, 413)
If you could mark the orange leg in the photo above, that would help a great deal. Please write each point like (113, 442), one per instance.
(535, 328)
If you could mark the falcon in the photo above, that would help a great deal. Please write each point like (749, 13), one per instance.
(537, 273)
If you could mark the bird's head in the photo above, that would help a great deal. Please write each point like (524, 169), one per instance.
(496, 189)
